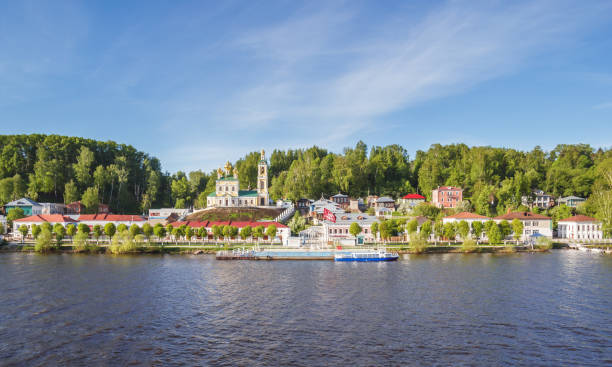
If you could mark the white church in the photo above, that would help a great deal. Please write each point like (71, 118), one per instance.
(228, 193)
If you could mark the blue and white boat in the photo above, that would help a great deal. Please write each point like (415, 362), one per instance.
(364, 256)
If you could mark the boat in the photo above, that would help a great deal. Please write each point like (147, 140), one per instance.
(364, 256)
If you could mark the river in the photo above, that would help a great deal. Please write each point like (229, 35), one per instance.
(449, 309)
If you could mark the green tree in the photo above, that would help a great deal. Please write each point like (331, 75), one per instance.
(71, 231)
(71, 192)
(14, 214)
(203, 233)
(60, 232)
(134, 230)
(438, 229)
(122, 227)
(412, 226)
(258, 232)
(217, 231)
(147, 231)
(160, 232)
(188, 233)
(110, 230)
(355, 229)
(517, 229)
(374, 229)
(297, 223)
(43, 242)
(83, 228)
(505, 228)
(23, 229)
(271, 232)
(46, 226)
(464, 230)
(477, 229)
(426, 230)
(450, 230)
(90, 200)
(494, 234)
(35, 229)
(82, 169)
(177, 232)
(97, 232)
(246, 232)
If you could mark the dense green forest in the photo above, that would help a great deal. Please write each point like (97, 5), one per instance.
(58, 168)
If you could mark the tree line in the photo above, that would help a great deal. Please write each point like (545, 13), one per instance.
(58, 168)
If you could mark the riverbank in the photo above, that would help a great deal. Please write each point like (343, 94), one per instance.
(186, 249)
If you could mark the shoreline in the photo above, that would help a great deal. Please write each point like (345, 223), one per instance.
(209, 250)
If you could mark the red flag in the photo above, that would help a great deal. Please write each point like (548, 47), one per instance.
(328, 215)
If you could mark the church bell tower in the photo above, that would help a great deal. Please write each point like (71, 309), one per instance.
(262, 181)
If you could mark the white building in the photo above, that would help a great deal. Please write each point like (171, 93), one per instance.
(340, 230)
(163, 213)
(540, 199)
(580, 227)
(410, 201)
(532, 223)
(39, 219)
(227, 190)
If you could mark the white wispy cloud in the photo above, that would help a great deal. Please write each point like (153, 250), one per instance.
(319, 68)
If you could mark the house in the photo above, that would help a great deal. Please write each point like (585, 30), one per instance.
(161, 214)
(117, 219)
(382, 211)
(340, 229)
(411, 200)
(341, 199)
(77, 208)
(53, 208)
(319, 206)
(447, 196)
(39, 219)
(580, 227)
(540, 199)
(356, 205)
(29, 206)
(532, 223)
(371, 201)
(571, 201)
(227, 188)
(385, 202)
(3, 224)
(303, 204)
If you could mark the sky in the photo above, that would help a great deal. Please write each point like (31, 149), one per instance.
(199, 83)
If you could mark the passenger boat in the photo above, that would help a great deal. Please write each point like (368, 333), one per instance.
(367, 256)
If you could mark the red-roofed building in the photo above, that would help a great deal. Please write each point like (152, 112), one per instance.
(116, 219)
(447, 196)
(411, 200)
(580, 227)
(42, 218)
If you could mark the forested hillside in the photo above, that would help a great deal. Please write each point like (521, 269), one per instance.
(52, 168)
(56, 168)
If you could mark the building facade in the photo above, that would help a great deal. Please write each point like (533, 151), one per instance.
(411, 200)
(580, 227)
(29, 206)
(540, 199)
(571, 201)
(340, 229)
(227, 188)
(532, 223)
(39, 219)
(341, 200)
(447, 196)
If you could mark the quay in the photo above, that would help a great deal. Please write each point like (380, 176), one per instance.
(279, 254)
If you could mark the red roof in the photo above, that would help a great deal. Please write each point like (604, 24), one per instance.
(467, 215)
(414, 196)
(521, 215)
(579, 218)
(55, 218)
(111, 217)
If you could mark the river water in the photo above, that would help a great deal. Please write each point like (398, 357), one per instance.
(451, 309)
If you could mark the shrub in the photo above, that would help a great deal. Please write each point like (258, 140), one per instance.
(468, 245)
(544, 243)
(122, 243)
(418, 244)
(44, 241)
(79, 242)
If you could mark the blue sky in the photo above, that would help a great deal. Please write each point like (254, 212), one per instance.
(197, 83)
